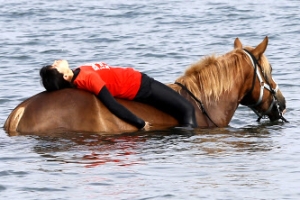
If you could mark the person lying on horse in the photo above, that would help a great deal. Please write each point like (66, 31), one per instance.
(107, 82)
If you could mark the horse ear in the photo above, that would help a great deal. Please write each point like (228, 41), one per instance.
(260, 49)
(237, 44)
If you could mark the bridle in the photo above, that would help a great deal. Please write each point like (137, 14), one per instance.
(264, 84)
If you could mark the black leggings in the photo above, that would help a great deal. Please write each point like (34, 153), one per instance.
(167, 100)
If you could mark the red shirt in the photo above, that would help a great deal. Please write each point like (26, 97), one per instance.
(121, 82)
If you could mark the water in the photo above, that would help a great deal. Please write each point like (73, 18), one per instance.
(247, 160)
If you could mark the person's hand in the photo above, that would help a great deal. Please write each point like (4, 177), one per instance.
(147, 126)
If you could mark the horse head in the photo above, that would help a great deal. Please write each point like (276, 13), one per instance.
(263, 95)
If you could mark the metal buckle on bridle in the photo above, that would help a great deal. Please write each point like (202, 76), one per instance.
(263, 86)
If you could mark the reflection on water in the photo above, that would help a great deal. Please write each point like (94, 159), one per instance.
(93, 149)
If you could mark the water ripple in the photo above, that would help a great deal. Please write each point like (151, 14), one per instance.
(247, 160)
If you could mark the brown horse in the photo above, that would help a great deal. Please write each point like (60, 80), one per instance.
(215, 85)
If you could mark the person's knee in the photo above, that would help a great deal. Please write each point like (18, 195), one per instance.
(189, 108)
(189, 117)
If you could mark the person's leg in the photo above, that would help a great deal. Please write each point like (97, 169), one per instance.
(169, 101)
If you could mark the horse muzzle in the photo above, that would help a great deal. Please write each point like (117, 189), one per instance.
(278, 109)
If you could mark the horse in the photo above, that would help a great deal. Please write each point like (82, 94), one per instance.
(215, 85)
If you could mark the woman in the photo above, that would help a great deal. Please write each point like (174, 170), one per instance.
(107, 82)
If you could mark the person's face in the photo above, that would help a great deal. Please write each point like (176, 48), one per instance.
(61, 65)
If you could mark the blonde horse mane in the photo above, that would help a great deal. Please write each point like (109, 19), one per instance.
(214, 75)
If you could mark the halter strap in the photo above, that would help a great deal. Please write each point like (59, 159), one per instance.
(254, 64)
(263, 86)
(197, 100)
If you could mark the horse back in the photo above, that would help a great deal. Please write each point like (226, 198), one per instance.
(73, 110)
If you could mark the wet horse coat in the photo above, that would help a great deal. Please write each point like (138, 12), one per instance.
(220, 84)
(76, 111)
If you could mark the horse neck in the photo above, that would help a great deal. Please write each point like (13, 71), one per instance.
(214, 112)
(220, 110)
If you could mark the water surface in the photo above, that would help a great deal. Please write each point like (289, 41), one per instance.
(247, 160)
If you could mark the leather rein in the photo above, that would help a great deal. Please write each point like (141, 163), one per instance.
(197, 100)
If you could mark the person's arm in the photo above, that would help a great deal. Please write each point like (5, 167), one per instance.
(119, 110)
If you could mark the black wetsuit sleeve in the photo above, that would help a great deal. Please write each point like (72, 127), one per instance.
(118, 109)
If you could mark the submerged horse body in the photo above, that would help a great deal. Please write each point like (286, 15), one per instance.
(215, 85)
